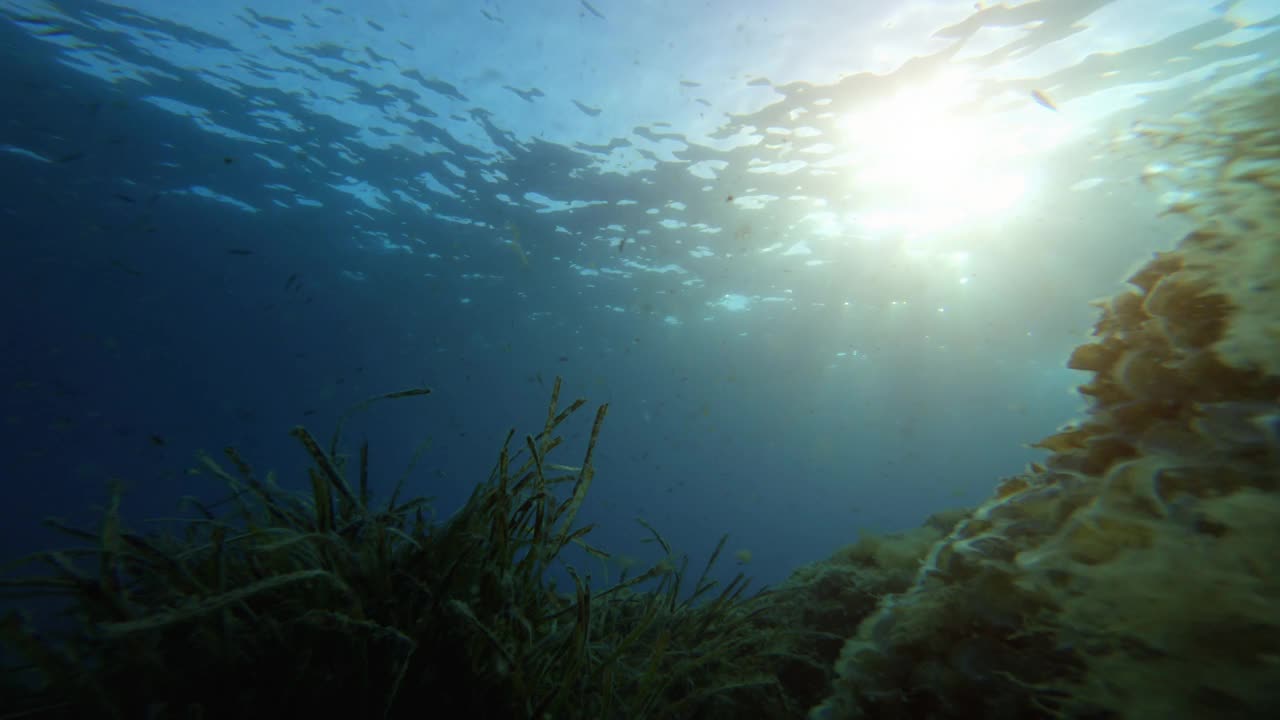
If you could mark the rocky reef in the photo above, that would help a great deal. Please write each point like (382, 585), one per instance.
(1134, 573)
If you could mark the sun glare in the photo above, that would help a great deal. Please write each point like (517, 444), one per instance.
(929, 163)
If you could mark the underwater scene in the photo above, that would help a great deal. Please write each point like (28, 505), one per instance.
(618, 360)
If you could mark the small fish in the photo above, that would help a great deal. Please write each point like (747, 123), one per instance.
(239, 251)
(595, 551)
(157, 440)
(1043, 100)
(293, 283)
(591, 10)
(587, 109)
(621, 245)
(121, 266)
(124, 198)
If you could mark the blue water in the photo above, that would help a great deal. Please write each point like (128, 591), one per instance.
(821, 292)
